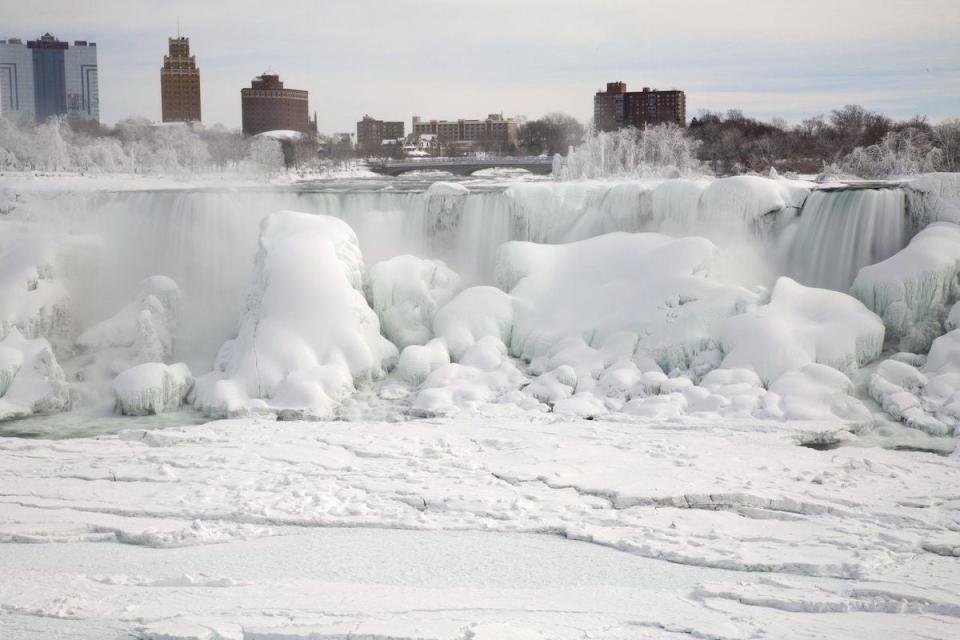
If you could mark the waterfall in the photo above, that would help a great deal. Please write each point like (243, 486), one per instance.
(840, 232)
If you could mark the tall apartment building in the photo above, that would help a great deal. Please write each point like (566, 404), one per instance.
(495, 129)
(48, 77)
(372, 132)
(267, 106)
(616, 107)
(180, 83)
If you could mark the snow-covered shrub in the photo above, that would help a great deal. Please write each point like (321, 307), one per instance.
(900, 153)
(266, 155)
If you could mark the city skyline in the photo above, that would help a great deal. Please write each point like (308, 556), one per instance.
(527, 58)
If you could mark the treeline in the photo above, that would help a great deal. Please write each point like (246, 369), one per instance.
(851, 140)
(136, 145)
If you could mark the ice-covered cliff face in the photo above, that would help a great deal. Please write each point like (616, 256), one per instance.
(72, 261)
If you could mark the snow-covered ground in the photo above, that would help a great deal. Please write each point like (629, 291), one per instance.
(481, 527)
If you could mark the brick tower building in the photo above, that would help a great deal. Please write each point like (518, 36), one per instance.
(267, 106)
(180, 83)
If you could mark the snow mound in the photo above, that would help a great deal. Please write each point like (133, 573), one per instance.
(912, 290)
(31, 380)
(745, 200)
(405, 292)
(799, 326)
(658, 288)
(484, 375)
(419, 361)
(142, 331)
(473, 314)
(307, 335)
(151, 388)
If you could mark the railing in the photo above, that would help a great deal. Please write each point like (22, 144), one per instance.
(492, 160)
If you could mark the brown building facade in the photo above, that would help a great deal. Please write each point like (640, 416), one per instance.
(372, 132)
(267, 106)
(180, 83)
(495, 129)
(616, 107)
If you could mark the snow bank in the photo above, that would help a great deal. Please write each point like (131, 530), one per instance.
(405, 292)
(152, 388)
(31, 381)
(802, 325)
(912, 290)
(307, 334)
(654, 286)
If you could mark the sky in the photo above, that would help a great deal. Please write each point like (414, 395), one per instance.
(451, 59)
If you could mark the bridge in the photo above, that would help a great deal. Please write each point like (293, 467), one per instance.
(462, 166)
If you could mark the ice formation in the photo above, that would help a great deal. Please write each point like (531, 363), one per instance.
(31, 380)
(913, 290)
(405, 292)
(142, 331)
(307, 334)
(152, 388)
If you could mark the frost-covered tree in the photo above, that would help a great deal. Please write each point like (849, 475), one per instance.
(266, 155)
(663, 150)
(900, 153)
(52, 152)
(946, 136)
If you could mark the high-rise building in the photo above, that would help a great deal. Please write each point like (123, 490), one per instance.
(267, 106)
(495, 129)
(47, 77)
(372, 132)
(616, 107)
(180, 83)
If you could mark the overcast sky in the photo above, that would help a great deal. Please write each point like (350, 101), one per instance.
(452, 58)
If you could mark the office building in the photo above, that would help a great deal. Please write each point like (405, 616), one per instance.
(48, 77)
(180, 83)
(372, 132)
(495, 130)
(267, 106)
(616, 107)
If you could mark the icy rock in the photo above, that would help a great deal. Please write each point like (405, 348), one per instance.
(912, 289)
(405, 292)
(664, 407)
(419, 361)
(307, 334)
(802, 325)
(473, 314)
(818, 392)
(654, 286)
(582, 405)
(553, 386)
(31, 381)
(151, 388)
